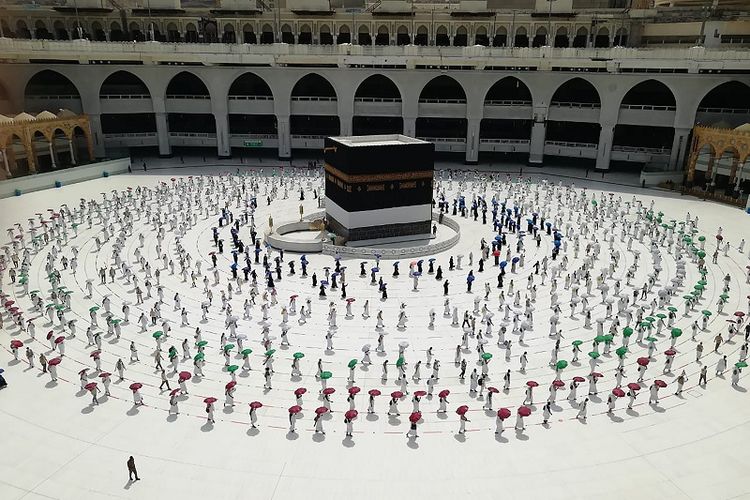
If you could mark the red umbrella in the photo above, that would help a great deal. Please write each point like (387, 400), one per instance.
(493, 390)
(293, 296)
(596, 375)
(49, 335)
(321, 410)
(9, 303)
(503, 413)
(618, 392)
(94, 354)
(462, 409)
(230, 385)
(354, 390)
(643, 361)
(420, 394)
(16, 344)
(415, 417)
(174, 392)
(374, 392)
(82, 371)
(59, 340)
(300, 391)
(558, 383)
(524, 411)
(185, 376)
(135, 386)
(350, 300)
(256, 404)
(90, 386)
(739, 314)
(719, 237)
(54, 361)
(444, 393)
(351, 414)
(209, 401)
(105, 374)
(295, 409)
(670, 352)
(634, 387)
(328, 391)
(397, 394)
(579, 379)
(660, 383)
(532, 383)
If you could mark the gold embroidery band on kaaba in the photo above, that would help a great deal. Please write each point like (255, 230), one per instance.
(396, 176)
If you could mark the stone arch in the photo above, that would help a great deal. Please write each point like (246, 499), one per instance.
(576, 90)
(443, 87)
(521, 38)
(378, 86)
(561, 37)
(250, 84)
(123, 83)
(461, 37)
(313, 85)
(344, 35)
(509, 88)
(649, 93)
(602, 37)
(441, 36)
(186, 83)
(581, 38)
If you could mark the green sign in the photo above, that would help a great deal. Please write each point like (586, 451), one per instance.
(253, 144)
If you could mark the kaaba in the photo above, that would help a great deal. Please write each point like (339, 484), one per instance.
(378, 186)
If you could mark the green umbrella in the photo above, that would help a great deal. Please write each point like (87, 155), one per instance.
(609, 337)
(33, 292)
(649, 319)
(621, 351)
(352, 363)
(593, 202)
(594, 354)
(202, 343)
(699, 287)
(228, 347)
(676, 332)
(199, 357)
(701, 238)
(400, 361)
(232, 368)
(599, 339)
(741, 364)
(646, 324)
(486, 356)
(94, 309)
(724, 296)
(298, 355)
(116, 321)
(695, 293)
(157, 335)
(326, 375)
(23, 280)
(661, 315)
(60, 307)
(672, 309)
(688, 297)
(651, 339)
(627, 331)
(706, 312)
(246, 352)
(577, 342)
(561, 365)
(270, 352)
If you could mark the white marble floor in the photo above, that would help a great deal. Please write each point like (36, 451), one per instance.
(55, 444)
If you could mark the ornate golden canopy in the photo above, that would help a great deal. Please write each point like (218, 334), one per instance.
(721, 141)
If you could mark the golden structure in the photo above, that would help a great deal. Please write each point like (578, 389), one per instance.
(24, 134)
(720, 141)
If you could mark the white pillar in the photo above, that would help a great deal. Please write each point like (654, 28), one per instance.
(679, 147)
(5, 163)
(52, 154)
(284, 137)
(536, 145)
(223, 147)
(410, 126)
(98, 137)
(72, 152)
(472, 140)
(604, 150)
(162, 134)
(345, 124)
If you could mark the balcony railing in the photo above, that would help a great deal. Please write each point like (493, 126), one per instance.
(123, 135)
(506, 102)
(568, 144)
(648, 107)
(54, 97)
(313, 98)
(504, 141)
(377, 99)
(442, 101)
(188, 96)
(579, 105)
(444, 139)
(636, 149)
(125, 96)
(736, 111)
(193, 134)
(251, 98)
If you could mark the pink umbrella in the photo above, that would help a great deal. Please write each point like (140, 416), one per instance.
(579, 379)
(230, 385)
(328, 391)
(374, 392)
(94, 354)
(54, 361)
(739, 314)
(558, 383)
(321, 410)
(524, 411)
(300, 391)
(461, 410)
(503, 413)
(493, 390)
(82, 372)
(351, 414)
(135, 386)
(634, 387)
(16, 344)
(256, 404)
(444, 393)
(209, 401)
(90, 386)
(105, 374)
(660, 383)
(415, 417)
(354, 390)
(59, 340)
(532, 383)
(397, 394)
(185, 376)
(670, 352)
(174, 392)
(618, 392)
(643, 361)
(596, 375)
(295, 409)
(420, 394)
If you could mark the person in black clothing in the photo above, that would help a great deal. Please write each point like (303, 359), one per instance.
(132, 470)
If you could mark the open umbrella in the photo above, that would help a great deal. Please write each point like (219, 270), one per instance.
(596, 375)
(210, 400)
(298, 355)
(444, 393)
(246, 352)
(328, 391)
(228, 347)
(321, 410)
(54, 361)
(503, 413)
(295, 409)
(558, 383)
(397, 394)
(676, 332)
(202, 343)
(270, 352)
(660, 383)
(175, 392)
(579, 379)
(741, 364)
(670, 352)
(651, 339)
(627, 331)
(618, 392)
(634, 387)
(232, 368)
(351, 414)
(354, 390)
(415, 417)
(524, 411)
(594, 354)
(135, 386)
(577, 342)
(300, 391)
(326, 375)
(90, 386)
(706, 312)
(105, 374)
(199, 357)
(532, 383)
(400, 361)
(621, 351)
(486, 356)
(561, 364)
(230, 384)
(461, 410)
(16, 344)
(643, 361)
(256, 404)
(185, 376)
(494, 390)
(739, 314)
(352, 363)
